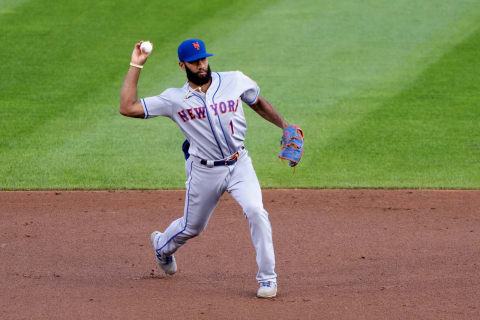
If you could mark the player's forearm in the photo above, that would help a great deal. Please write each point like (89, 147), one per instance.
(268, 112)
(128, 96)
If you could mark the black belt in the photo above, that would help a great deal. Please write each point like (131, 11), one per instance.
(229, 162)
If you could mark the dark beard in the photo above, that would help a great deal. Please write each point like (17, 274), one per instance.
(194, 78)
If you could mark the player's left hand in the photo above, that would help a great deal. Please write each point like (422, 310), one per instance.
(292, 145)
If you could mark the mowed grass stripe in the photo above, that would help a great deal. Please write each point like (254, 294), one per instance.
(427, 136)
(8, 6)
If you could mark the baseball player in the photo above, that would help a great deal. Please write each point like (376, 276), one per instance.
(208, 109)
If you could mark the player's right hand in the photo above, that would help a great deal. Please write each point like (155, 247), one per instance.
(138, 56)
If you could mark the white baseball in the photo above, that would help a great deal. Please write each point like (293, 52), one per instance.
(146, 47)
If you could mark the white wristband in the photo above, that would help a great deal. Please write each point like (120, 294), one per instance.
(136, 65)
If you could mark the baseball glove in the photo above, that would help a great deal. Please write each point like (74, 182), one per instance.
(292, 145)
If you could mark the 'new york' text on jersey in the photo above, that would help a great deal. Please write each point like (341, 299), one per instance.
(213, 123)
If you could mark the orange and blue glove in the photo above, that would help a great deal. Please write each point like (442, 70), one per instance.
(292, 145)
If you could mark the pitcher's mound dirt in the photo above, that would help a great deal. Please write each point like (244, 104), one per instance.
(355, 254)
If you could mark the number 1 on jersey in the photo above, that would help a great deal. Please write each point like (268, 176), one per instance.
(231, 127)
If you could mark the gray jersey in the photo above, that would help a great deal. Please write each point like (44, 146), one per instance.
(213, 123)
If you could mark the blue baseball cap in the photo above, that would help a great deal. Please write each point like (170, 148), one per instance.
(191, 50)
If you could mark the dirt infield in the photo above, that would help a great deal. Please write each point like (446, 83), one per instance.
(356, 254)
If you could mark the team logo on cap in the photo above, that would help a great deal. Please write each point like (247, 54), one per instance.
(196, 45)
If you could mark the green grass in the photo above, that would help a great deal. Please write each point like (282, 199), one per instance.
(427, 133)
(387, 93)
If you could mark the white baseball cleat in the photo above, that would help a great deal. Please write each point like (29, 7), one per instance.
(268, 289)
(168, 264)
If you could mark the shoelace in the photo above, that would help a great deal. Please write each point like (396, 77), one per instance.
(265, 284)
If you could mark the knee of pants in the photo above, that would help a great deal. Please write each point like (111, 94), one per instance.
(193, 230)
(255, 213)
(185, 235)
